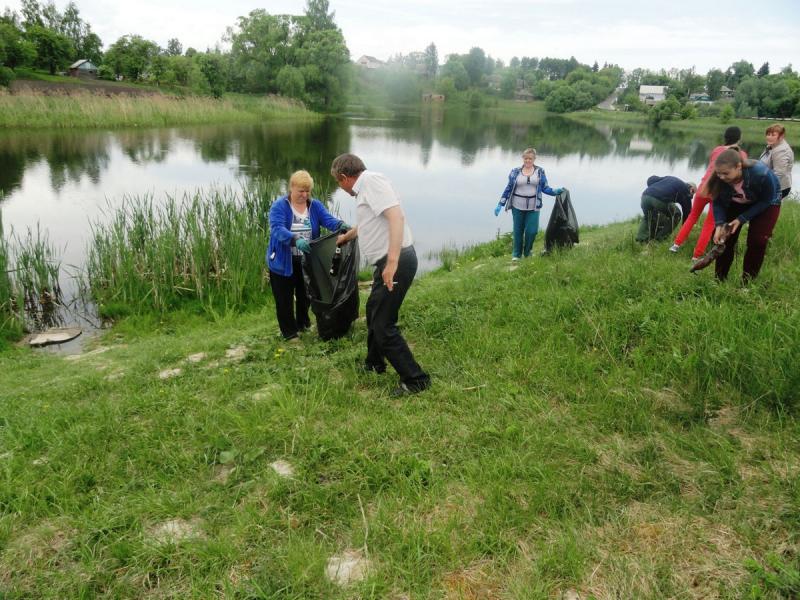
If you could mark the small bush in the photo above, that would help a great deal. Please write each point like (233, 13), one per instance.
(6, 76)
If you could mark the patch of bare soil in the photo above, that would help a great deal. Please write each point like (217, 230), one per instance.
(475, 582)
(82, 86)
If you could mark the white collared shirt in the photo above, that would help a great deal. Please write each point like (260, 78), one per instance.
(374, 194)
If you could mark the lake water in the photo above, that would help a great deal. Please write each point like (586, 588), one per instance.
(449, 168)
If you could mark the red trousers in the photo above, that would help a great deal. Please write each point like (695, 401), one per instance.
(698, 204)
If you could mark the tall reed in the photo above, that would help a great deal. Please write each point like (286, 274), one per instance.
(8, 320)
(86, 110)
(207, 248)
(30, 293)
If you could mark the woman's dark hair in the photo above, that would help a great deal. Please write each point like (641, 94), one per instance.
(732, 135)
(728, 158)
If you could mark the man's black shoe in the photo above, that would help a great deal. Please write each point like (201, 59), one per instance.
(405, 389)
(372, 368)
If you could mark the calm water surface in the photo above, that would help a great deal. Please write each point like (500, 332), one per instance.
(448, 167)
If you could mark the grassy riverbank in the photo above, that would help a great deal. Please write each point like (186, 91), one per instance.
(600, 421)
(752, 129)
(81, 109)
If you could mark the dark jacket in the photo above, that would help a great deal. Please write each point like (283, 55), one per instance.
(670, 189)
(281, 239)
(760, 186)
(512, 185)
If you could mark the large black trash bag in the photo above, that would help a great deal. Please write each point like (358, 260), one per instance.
(334, 298)
(562, 228)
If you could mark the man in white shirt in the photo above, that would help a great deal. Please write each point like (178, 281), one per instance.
(384, 238)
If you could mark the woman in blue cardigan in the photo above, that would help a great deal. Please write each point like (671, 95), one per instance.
(294, 220)
(523, 196)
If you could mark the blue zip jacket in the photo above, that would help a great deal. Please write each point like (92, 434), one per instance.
(760, 185)
(512, 185)
(670, 189)
(281, 239)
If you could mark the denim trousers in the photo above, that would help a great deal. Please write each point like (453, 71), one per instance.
(384, 340)
(526, 226)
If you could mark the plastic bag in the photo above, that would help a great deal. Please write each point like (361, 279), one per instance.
(334, 298)
(562, 228)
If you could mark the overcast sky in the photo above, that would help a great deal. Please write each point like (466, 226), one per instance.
(637, 33)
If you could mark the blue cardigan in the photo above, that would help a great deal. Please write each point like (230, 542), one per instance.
(761, 187)
(281, 238)
(512, 185)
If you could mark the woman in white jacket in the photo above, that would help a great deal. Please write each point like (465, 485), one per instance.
(779, 157)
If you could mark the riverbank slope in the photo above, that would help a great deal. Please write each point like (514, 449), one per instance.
(600, 421)
(44, 105)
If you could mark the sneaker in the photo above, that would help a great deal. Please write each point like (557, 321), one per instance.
(406, 390)
(514, 259)
(674, 247)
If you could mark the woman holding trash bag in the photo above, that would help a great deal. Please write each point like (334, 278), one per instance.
(779, 157)
(743, 191)
(523, 196)
(732, 139)
(294, 220)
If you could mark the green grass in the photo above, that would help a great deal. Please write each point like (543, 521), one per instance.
(751, 128)
(600, 421)
(82, 109)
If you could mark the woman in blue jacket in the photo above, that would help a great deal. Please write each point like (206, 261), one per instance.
(523, 196)
(743, 191)
(294, 220)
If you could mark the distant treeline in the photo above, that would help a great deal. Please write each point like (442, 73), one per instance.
(302, 57)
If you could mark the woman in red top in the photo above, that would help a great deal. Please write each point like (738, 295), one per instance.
(733, 136)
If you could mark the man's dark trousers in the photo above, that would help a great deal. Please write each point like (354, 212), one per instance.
(384, 341)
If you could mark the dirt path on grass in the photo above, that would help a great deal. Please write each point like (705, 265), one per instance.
(93, 86)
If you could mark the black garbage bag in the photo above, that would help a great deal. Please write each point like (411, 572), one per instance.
(562, 228)
(333, 297)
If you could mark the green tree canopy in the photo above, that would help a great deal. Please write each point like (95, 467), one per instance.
(431, 61)
(53, 50)
(131, 56)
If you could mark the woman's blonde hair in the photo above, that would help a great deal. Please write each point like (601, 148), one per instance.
(301, 179)
(529, 152)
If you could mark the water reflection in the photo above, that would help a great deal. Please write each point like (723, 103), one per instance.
(449, 166)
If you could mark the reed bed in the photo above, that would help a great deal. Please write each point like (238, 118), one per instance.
(82, 109)
(207, 247)
(30, 293)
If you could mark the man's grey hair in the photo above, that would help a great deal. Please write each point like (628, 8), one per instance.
(348, 165)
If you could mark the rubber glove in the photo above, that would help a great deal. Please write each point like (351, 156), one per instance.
(303, 245)
(558, 191)
(497, 209)
(344, 227)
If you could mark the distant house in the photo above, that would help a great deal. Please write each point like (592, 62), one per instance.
(494, 81)
(652, 94)
(523, 95)
(370, 62)
(725, 92)
(433, 97)
(700, 98)
(83, 68)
